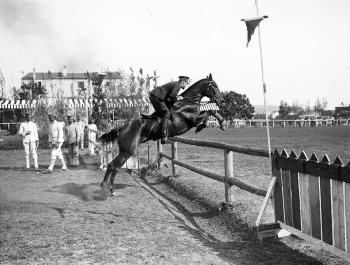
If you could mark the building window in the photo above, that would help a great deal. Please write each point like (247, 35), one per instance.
(81, 85)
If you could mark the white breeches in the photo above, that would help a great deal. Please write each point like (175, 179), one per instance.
(57, 152)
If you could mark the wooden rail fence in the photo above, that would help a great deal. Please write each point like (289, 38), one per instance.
(228, 179)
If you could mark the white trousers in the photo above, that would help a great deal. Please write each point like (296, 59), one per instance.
(30, 148)
(91, 148)
(57, 153)
(82, 140)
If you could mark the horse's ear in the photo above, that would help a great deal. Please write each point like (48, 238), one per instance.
(210, 77)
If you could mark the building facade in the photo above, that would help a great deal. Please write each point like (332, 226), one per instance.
(342, 112)
(69, 85)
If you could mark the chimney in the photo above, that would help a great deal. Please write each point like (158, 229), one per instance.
(34, 74)
(64, 71)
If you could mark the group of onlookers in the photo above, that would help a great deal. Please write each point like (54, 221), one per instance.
(72, 134)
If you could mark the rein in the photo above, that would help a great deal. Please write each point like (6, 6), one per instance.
(190, 100)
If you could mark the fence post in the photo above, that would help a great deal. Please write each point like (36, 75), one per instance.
(159, 150)
(228, 157)
(104, 154)
(173, 156)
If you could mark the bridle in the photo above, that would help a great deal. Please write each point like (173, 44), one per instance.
(210, 90)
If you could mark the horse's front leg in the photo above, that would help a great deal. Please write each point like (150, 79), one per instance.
(202, 120)
(220, 119)
(203, 117)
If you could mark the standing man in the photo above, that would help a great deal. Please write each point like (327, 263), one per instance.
(81, 126)
(92, 130)
(29, 131)
(163, 97)
(56, 138)
(72, 138)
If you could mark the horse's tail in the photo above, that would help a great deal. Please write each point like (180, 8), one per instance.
(110, 136)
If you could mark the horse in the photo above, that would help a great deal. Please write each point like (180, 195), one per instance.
(185, 114)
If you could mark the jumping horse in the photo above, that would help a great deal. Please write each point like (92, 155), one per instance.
(185, 114)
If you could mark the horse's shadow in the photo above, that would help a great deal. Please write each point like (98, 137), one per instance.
(86, 192)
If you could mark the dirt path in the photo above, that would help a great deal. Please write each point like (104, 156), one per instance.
(65, 218)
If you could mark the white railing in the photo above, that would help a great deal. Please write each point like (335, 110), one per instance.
(282, 123)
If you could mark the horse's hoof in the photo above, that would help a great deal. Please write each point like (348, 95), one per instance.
(199, 128)
(103, 168)
(104, 185)
(222, 126)
(113, 193)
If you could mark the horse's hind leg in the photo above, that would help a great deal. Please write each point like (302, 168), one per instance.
(106, 178)
(116, 164)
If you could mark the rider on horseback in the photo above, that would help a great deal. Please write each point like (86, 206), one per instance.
(163, 97)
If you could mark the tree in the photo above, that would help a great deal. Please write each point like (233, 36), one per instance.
(297, 109)
(283, 110)
(308, 107)
(237, 106)
(2, 84)
(131, 87)
(32, 90)
(320, 106)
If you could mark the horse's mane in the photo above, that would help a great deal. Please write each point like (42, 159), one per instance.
(193, 85)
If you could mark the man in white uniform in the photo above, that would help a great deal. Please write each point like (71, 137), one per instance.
(81, 127)
(92, 131)
(56, 138)
(29, 131)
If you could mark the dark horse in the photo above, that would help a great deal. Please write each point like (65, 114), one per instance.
(185, 114)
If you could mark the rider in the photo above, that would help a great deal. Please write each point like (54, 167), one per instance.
(163, 97)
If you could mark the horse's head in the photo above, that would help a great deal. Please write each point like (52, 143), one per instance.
(212, 91)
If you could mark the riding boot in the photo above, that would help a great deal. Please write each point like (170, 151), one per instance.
(164, 130)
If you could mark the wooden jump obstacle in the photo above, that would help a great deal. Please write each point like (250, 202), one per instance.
(311, 198)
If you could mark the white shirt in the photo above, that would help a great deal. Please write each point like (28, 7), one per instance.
(92, 134)
(81, 126)
(28, 127)
(56, 132)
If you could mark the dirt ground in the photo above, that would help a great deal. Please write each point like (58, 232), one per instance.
(65, 218)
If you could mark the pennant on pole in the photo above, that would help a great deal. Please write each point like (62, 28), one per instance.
(251, 24)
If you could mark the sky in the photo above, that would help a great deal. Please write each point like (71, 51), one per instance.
(305, 44)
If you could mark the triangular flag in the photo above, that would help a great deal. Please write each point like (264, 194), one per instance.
(251, 24)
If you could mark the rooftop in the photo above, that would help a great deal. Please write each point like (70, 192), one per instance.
(59, 75)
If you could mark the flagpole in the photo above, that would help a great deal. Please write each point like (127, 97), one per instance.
(273, 180)
(264, 83)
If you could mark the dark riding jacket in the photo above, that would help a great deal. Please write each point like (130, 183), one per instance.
(167, 91)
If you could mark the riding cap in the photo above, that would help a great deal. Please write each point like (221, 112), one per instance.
(184, 77)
